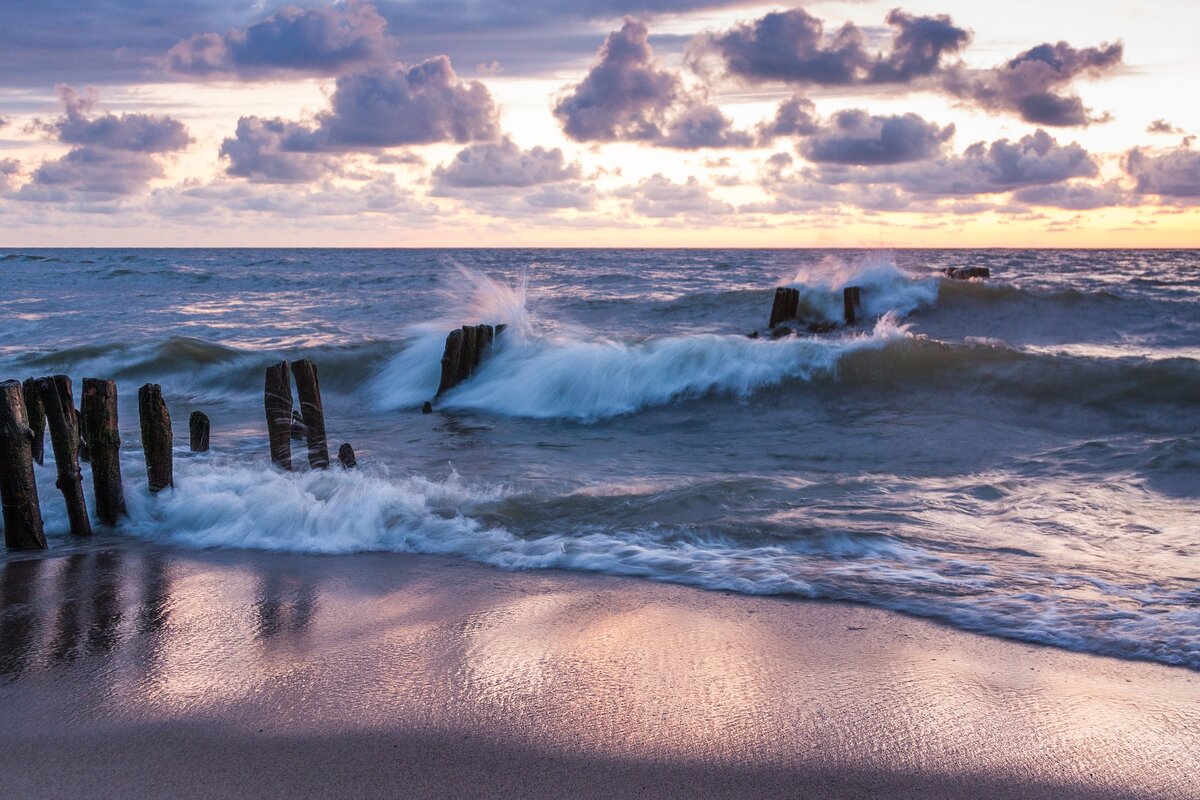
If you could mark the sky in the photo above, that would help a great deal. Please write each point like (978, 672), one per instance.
(600, 123)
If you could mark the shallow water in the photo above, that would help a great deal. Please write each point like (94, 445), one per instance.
(1018, 456)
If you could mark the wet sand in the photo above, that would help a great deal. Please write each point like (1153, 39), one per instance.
(130, 670)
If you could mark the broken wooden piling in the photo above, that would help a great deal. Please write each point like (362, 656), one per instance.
(99, 422)
(156, 437)
(786, 305)
(851, 302)
(308, 389)
(465, 350)
(277, 399)
(18, 488)
(61, 418)
(37, 419)
(198, 432)
(346, 456)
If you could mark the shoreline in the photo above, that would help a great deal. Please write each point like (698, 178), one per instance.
(133, 669)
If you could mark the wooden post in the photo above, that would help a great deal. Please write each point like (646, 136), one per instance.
(851, 300)
(346, 456)
(18, 488)
(308, 388)
(85, 454)
(64, 438)
(156, 437)
(470, 344)
(297, 429)
(450, 361)
(278, 402)
(104, 443)
(785, 306)
(427, 408)
(198, 430)
(37, 419)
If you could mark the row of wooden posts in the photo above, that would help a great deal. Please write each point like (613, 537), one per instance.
(786, 306)
(28, 409)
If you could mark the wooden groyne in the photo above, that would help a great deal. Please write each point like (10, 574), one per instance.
(785, 307)
(104, 443)
(466, 348)
(18, 487)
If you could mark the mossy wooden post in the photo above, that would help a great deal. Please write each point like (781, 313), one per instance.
(451, 358)
(64, 439)
(156, 437)
(346, 456)
(308, 390)
(104, 443)
(277, 398)
(198, 432)
(18, 488)
(37, 419)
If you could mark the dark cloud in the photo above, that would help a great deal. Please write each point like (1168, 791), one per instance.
(111, 156)
(1035, 84)
(503, 164)
(660, 197)
(330, 40)
(703, 125)
(379, 108)
(1074, 196)
(918, 45)
(796, 116)
(625, 95)
(1162, 126)
(856, 137)
(1168, 173)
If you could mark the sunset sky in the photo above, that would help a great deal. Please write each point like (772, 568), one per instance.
(600, 123)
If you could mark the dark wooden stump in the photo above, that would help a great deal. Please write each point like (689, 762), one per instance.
(277, 399)
(427, 408)
(104, 442)
(37, 419)
(198, 432)
(18, 487)
(451, 357)
(346, 456)
(64, 439)
(785, 306)
(484, 335)
(851, 302)
(157, 438)
(466, 364)
(308, 389)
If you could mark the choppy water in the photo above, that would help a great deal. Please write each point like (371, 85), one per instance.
(1019, 456)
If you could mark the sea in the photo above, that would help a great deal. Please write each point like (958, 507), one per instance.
(1017, 456)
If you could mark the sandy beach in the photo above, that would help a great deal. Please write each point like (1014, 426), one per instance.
(138, 671)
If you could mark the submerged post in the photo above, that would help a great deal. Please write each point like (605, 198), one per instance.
(346, 456)
(277, 399)
(64, 438)
(198, 430)
(309, 390)
(18, 488)
(851, 301)
(104, 444)
(156, 437)
(37, 419)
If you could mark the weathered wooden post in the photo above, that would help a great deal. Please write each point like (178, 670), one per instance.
(277, 399)
(104, 442)
(198, 431)
(18, 488)
(346, 456)
(85, 454)
(308, 388)
(297, 429)
(37, 419)
(470, 345)
(450, 360)
(64, 438)
(156, 437)
(851, 300)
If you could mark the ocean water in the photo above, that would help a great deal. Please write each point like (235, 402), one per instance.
(1018, 456)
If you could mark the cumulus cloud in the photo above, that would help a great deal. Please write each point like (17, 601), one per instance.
(659, 197)
(111, 157)
(703, 125)
(9, 168)
(503, 163)
(1162, 126)
(1035, 84)
(320, 41)
(1074, 196)
(1168, 173)
(918, 45)
(796, 116)
(856, 137)
(379, 108)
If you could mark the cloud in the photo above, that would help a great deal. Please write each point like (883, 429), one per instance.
(856, 137)
(703, 125)
(111, 156)
(9, 167)
(624, 96)
(1167, 173)
(503, 164)
(659, 197)
(796, 116)
(379, 108)
(918, 45)
(318, 41)
(1074, 196)
(1162, 126)
(1034, 84)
